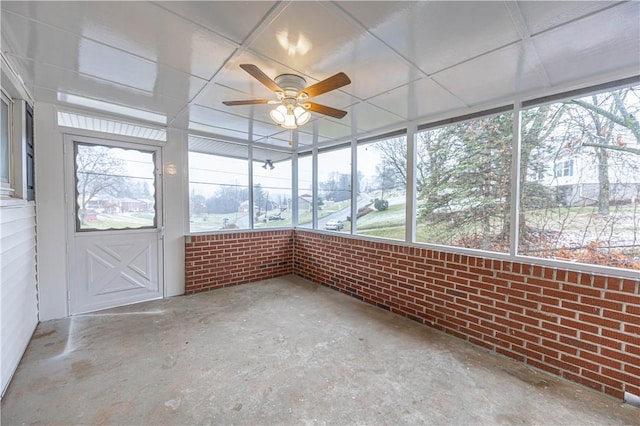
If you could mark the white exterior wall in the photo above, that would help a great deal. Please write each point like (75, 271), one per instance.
(18, 292)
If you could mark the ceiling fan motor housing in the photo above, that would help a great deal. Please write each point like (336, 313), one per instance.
(291, 85)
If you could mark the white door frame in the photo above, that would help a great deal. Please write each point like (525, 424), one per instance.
(69, 190)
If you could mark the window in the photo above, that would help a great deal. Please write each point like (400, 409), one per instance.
(587, 210)
(334, 188)
(382, 188)
(463, 180)
(305, 191)
(115, 188)
(17, 174)
(272, 193)
(5, 147)
(564, 168)
(218, 193)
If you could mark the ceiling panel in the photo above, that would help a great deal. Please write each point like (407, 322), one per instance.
(542, 15)
(592, 46)
(233, 122)
(437, 35)
(232, 19)
(494, 76)
(329, 129)
(64, 50)
(59, 80)
(139, 28)
(316, 39)
(418, 99)
(369, 117)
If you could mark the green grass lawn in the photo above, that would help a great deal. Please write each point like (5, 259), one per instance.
(393, 216)
(120, 221)
(214, 221)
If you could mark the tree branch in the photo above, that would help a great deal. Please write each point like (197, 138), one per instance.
(614, 147)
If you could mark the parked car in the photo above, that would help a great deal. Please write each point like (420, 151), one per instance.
(334, 225)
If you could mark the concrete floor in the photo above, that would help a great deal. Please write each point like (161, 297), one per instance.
(281, 351)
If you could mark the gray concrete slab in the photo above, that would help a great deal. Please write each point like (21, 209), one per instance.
(280, 351)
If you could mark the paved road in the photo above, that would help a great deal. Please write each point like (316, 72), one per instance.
(243, 222)
(342, 214)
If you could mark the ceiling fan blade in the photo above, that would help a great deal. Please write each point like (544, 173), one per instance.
(249, 102)
(322, 109)
(327, 85)
(261, 77)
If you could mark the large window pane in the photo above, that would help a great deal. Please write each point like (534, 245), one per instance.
(334, 181)
(218, 193)
(463, 180)
(115, 188)
(305, 191)
(382, 183)
(272, 193)
(580, 184)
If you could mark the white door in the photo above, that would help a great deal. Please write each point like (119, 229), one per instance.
(115, 223)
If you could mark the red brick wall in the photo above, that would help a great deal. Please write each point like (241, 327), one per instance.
(221, 260)
(580, 326)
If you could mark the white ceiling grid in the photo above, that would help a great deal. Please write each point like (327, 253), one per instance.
(408, 61)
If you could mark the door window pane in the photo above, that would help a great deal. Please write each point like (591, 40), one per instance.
(218, 193)
(271, 193)
(463, 179)
(334, 187)
(580, 183)
(115, 188)
(382, 188)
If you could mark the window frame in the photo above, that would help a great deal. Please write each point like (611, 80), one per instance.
(7, 188)
(156, 183)
(515, 106)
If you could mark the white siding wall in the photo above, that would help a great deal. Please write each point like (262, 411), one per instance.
(18, 294)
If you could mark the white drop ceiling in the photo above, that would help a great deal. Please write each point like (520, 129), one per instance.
(408, 61)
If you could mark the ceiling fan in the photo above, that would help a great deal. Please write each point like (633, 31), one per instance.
(293, 105)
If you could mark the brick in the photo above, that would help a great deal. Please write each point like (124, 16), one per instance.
(577, 343)
(602, 341)
(582, 363)
(583, 381)
(598, 321)
(600, 360)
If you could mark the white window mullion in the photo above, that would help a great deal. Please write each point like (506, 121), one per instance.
(515, 180)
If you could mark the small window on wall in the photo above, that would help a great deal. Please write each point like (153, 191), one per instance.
(382, 188)
(334, 188)
(564, 168)
(305, 191)
(271, 193)
(463, 181)
(5, 146)
(586, 208)
(218, 193)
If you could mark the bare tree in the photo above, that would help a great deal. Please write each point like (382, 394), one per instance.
(97, 171)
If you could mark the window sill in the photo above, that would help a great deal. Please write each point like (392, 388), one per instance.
(14, 202)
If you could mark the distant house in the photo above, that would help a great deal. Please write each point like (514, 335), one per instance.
(113, 205)
(575, 174)
(305, 203)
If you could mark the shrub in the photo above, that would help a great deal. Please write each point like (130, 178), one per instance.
(381, 205)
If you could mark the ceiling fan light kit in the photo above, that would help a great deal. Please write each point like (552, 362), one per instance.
(292, 92)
